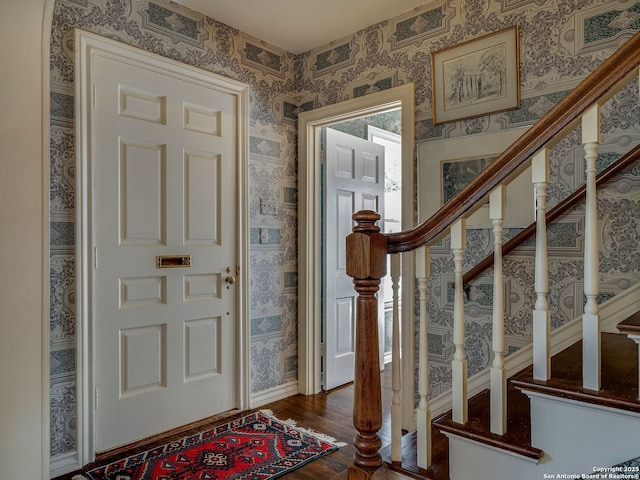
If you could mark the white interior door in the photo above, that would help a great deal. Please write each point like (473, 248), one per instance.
(354, 180)
(164, 167)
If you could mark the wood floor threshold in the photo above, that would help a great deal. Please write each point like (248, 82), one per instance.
(164, 437)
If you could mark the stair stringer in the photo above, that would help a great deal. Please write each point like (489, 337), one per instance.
(612, 312)
(471, 459)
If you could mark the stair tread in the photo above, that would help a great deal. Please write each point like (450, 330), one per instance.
(619, 375)
(439, 469)
(631, 325)
(517, 438)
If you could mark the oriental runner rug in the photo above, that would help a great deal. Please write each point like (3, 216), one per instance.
(255, 447)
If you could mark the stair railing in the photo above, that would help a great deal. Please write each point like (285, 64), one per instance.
(367, 249)
(565, 205)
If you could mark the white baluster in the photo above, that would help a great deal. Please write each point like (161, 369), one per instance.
(423, 413)
(541, 316)
(396, 403)
(459, 363)
(498, 374)
(590, 318)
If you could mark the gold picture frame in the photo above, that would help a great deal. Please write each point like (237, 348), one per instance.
(477, 77)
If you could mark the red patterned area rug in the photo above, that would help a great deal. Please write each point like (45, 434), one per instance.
(254, 447)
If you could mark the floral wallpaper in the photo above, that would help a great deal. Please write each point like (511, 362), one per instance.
(561, 42)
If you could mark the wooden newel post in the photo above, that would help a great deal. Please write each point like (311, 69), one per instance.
(367, 264)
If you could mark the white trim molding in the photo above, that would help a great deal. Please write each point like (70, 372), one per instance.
(309, 228)
(273, 394)
(47, 462)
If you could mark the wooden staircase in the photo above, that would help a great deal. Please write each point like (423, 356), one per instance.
(575, 406)
(619, 391)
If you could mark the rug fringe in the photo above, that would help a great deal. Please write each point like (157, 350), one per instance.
(321, 436)
(269, 413)
(79, 477)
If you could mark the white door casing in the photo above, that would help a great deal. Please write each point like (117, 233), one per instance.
(309, 227)
(354, 181)
(162, 172)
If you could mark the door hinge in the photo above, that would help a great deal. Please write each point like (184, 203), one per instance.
(94, 96)
(95, 399)
(95, 258)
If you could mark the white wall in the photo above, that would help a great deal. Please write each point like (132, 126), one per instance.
(23, 425)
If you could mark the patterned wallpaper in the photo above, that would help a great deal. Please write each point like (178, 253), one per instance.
(561, 42)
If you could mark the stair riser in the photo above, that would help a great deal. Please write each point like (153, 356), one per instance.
(577, 436)
(472, 460)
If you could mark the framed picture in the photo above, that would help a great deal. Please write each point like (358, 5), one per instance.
(455, 174)
(446, 166)
(477, 77)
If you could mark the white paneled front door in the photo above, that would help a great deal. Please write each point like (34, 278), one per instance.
(164, 216)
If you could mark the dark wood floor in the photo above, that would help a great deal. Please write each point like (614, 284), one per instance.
(329, 413)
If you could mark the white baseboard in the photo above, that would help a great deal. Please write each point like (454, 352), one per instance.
(63, 464)
(619, 308)
(274, 394)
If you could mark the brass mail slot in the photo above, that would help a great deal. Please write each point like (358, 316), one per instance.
(173, 261)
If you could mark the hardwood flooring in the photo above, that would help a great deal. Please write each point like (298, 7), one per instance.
(329, 413)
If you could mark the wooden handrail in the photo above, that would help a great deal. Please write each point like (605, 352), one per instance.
(600, 84)
(604, 176)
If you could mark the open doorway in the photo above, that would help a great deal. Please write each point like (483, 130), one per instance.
(310, 228)
(392, 143)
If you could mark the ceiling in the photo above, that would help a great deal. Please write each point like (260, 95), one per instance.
(300, 25)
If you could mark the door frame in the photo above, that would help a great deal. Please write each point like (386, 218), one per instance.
(310, 229)
(87, 46)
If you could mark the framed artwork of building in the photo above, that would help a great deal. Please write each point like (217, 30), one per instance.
(477, 77)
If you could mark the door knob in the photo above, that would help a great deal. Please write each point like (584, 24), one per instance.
(230, 280)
